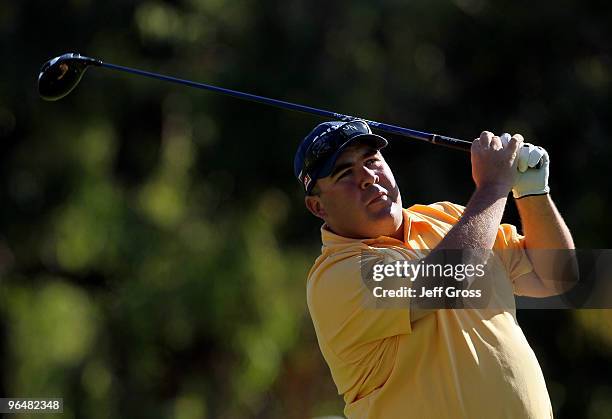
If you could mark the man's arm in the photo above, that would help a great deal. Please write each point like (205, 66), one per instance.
(547, 238)
(494, 170)
(547, 243)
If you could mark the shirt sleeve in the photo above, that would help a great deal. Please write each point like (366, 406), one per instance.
(454, 210)
(343, 307)
(512, 251)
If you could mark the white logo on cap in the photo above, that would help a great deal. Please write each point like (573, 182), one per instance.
(327, 131)
(307, 181)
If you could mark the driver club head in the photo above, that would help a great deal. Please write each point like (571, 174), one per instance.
(60, 75)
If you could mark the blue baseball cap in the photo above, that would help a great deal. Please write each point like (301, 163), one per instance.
(317, 153)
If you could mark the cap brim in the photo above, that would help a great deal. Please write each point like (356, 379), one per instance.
(375, 140)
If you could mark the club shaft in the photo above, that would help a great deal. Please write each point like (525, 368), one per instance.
(387, 128)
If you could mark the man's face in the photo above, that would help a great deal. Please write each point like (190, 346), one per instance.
(360, 198)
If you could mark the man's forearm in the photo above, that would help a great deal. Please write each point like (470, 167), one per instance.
(543, 226)
(476, 230)
(547, 240)
(480, 221)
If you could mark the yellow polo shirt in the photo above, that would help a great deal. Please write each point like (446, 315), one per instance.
(463, 363)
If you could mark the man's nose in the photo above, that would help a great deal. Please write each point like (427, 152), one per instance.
(367, 177)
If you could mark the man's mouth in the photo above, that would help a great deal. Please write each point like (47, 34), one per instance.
(381, 196)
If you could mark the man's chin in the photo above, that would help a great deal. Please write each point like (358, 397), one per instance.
(383, 209)
(385, 220)
(377, 220)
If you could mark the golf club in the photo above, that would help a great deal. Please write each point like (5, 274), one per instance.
(60, 75)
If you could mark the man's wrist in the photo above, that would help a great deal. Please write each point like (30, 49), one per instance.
(499, 189)
(534, 204)
(532, 195)
(524, 194)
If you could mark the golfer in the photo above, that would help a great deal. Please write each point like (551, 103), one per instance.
(416, 361)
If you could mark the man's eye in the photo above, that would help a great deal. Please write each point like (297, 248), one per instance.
(372, 161)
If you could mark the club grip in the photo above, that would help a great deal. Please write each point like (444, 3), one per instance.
(461, 144)
(451, 142)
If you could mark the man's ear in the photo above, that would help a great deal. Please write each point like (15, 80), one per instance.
(315, 206)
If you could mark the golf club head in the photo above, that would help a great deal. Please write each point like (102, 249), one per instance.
(60, 75)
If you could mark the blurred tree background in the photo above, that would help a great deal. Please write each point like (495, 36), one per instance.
(153, 241)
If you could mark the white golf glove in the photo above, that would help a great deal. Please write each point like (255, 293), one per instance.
(530, 181)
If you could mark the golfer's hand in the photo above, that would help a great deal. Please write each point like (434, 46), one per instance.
(493, 164)
(530, 181)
